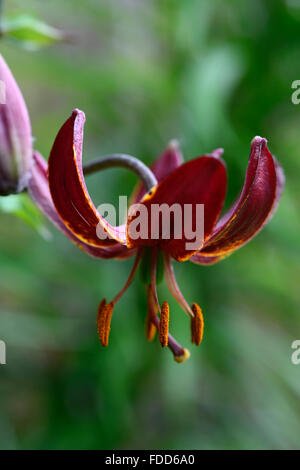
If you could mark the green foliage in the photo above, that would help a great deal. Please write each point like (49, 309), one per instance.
(29, 32)
(22, 206)
(212, 74)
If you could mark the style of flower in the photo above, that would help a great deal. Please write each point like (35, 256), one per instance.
(63, 197)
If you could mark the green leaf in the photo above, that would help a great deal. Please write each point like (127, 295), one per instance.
(21, 206)
(30, 32)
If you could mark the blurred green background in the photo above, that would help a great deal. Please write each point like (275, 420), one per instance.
(211, 73)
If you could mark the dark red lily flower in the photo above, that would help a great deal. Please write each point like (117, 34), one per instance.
(64, 198)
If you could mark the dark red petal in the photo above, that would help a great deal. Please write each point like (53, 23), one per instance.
(199, 181)
(68, 189)
(260, 195)
(280, 182)
(39, 191)
(197, 258)
(164, 165)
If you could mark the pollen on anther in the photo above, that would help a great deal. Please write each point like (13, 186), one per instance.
(197, 325)
(101, 320)
(163, 330)
(108, 315)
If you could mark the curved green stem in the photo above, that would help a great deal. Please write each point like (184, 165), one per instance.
(125, 161)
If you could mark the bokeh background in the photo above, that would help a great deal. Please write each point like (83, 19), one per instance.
(211, 74)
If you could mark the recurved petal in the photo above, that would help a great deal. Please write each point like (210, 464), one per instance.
(280, 182)
(69, 192)
(164, 165)
(259, 198)
(38, 188)
(197, 258)
(199, 181)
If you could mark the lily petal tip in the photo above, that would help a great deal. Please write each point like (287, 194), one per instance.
(257, 140)
(217, 152)
(77, 112)
(174, 145)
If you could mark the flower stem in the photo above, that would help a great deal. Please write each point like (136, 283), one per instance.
(125, 161)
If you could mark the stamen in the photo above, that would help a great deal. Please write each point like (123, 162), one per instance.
(105, 310)
(197, 325)
(103, 321)
(108, 315)
(163, 329)
(150, 321)
(101, 317)
(131, 276)
(173, 286)
(150, 328)
(180, 354)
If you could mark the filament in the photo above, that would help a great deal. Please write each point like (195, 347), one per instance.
(173, 286)
(130, 278)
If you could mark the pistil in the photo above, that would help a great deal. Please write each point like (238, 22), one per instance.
(180, 354)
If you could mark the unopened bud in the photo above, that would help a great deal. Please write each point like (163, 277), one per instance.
(15, 135)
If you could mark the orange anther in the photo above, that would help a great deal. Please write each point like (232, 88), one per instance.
(197, 324)
(163, 329)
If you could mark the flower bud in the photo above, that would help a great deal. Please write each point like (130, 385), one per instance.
(15, 135)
